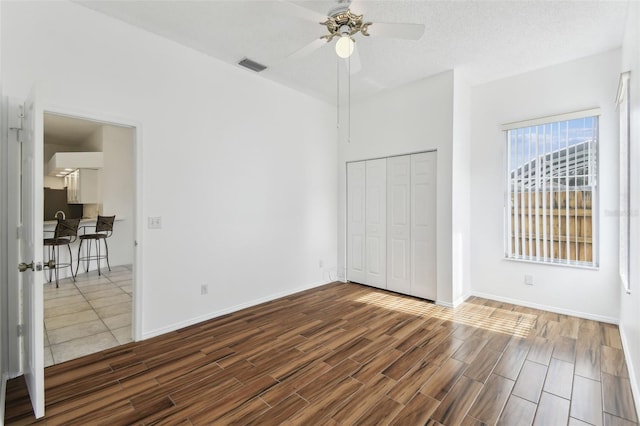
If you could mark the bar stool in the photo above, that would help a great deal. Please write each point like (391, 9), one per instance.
(65, 234)
(103, 229)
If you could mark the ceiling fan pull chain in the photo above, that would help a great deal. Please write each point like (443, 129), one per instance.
(349, 102)
(338, 92)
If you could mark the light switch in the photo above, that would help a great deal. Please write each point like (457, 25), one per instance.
(154, 222)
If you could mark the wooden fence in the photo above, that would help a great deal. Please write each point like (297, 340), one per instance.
(566, 217)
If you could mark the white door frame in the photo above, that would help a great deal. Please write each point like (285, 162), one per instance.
(15, 351)
(14, 293)
(4, 254)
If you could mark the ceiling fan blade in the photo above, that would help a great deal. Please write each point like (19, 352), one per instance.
(374, 83)
(303, 51)
(301, 12)
(403, 31)
(307, 50)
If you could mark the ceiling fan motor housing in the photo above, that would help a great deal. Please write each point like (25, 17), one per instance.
(342, 22)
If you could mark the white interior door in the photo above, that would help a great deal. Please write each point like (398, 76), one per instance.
(376, 226)
(31, 235)
(356, 222)
(399, 223)
(423, 225)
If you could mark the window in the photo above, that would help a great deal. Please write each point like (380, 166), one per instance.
(552, 177)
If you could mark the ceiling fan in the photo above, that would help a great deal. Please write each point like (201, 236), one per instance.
(343, 24)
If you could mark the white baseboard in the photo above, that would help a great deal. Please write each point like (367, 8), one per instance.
(459, 301)
(630, 367)
(225, 311)
(585, 315)
(3, 396)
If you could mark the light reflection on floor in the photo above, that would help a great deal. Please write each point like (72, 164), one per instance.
(488, 318)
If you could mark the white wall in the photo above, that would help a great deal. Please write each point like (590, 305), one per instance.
(241, 170)
(629, 303)
(412, 118)
(4, 191)
(578, 85)
(94, 143)
(117, 188)
(461, 189)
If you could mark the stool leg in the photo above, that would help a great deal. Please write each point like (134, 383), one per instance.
(57, 256)
(71, 262)
(51, 256)
(98, 255)
(88, 260)
(106, 249)
(78, 262)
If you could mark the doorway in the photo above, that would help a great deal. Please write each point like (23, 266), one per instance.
(94, 311)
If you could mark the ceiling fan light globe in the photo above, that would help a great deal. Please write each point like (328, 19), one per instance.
(345, 46)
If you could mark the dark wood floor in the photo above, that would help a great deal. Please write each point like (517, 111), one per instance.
(349, 354)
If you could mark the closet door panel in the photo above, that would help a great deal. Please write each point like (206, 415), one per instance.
(376, 223)
(423, 225)
(399, 224)
(356, 260)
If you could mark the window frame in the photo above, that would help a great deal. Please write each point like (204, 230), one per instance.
(541, 229)
(623, 103)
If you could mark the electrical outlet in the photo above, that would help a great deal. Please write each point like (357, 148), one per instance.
(321, 263)
(204, 289)
(528, 279)
(154, 222)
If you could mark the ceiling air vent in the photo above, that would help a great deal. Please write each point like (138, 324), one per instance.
(252, 65)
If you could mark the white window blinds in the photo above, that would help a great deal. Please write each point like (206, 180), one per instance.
(552, 190)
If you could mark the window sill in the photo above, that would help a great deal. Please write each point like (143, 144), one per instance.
(566, 265)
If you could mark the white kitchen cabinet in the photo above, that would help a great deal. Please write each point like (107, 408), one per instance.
(82, 186)
(62, 162)
(391, 224)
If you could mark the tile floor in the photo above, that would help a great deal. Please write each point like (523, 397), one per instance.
(87, 316)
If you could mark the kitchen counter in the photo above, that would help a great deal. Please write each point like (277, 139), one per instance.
(83, 222)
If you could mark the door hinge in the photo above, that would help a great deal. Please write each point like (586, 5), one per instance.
(20, 330)
(19, 232)
(16, 118)
(16, 115)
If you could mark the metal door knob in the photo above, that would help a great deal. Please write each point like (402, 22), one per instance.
(24, 266)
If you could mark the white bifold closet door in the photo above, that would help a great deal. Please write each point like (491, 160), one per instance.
(411, 224)
(399, 224)
(391, 224)
(423, 226)
(376, 223)
(367, 222)
(356, 254)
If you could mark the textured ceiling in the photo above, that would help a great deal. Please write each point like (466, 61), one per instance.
(487, 40)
